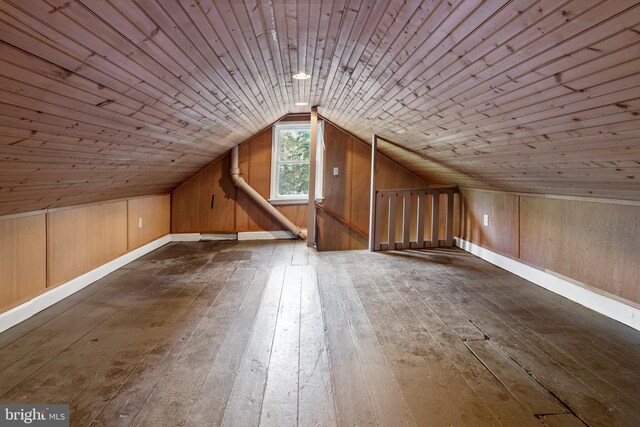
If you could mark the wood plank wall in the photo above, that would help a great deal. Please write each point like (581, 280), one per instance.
(23, 262)
(84, 238)
(42, 250)
(595, 243)
(231, 211)
(502, 233)
(345, 195)
(155, 216)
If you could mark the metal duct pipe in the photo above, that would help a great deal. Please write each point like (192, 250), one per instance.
(253, 194)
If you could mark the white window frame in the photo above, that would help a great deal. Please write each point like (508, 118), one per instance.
(275, 162)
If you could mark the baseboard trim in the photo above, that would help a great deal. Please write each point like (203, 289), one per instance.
(265, 235)
(218, 236)
(624, 312)
(35, 305)
(185, 237)
(242, 235)
(196, 237)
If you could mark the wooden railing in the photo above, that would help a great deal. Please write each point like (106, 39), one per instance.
(403, 212)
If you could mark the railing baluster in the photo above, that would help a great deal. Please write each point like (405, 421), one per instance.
(406, 221)
(435, 219)
(449, 219)
(392, 221)
(422, 199)
(388, 199)
(379, 206)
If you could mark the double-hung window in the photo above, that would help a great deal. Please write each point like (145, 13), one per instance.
(290, 162)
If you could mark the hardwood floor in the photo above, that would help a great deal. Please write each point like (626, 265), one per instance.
(271, 333)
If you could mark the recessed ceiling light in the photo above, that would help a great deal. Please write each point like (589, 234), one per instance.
(302, 76)
(399, 131)
(302, 103)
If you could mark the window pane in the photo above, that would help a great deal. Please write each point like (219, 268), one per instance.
(294, 145)
(294, 180)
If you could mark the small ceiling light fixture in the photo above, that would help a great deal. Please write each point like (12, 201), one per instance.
(302, 76)
(301, 103)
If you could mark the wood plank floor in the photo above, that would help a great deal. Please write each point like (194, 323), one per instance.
(271, 333)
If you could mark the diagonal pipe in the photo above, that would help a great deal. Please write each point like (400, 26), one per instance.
(239, 182)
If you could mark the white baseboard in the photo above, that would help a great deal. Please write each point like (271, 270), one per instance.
(265, 235)
(196, 237)
(242, 235)
(22, 312)
(218, 236)
(611, 306)
(185, 237)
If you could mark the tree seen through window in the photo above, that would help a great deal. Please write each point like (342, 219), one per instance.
(293, 162)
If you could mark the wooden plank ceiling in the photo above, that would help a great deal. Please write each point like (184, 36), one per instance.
(108, 99)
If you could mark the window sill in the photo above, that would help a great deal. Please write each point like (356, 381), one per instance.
(292, 201)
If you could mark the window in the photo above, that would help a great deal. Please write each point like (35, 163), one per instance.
(290, 162)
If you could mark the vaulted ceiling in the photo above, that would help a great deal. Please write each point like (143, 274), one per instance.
(114, 98)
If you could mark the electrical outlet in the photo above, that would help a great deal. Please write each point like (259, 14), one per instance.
(486, 220)
(140, 222)
(335, 171)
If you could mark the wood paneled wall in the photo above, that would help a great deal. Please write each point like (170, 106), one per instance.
(501, 235)
(192, 210)
(83, 238)
(345, 195)
(23, 262)
(43, 250)
(155, 216)
(595, 243)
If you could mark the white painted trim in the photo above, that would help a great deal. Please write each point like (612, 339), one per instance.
(24, 311)
(218, 236)
(242, 235)
(297, 201)
(293, 201)
(604, 303)
(185, 237)
(266, 235)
